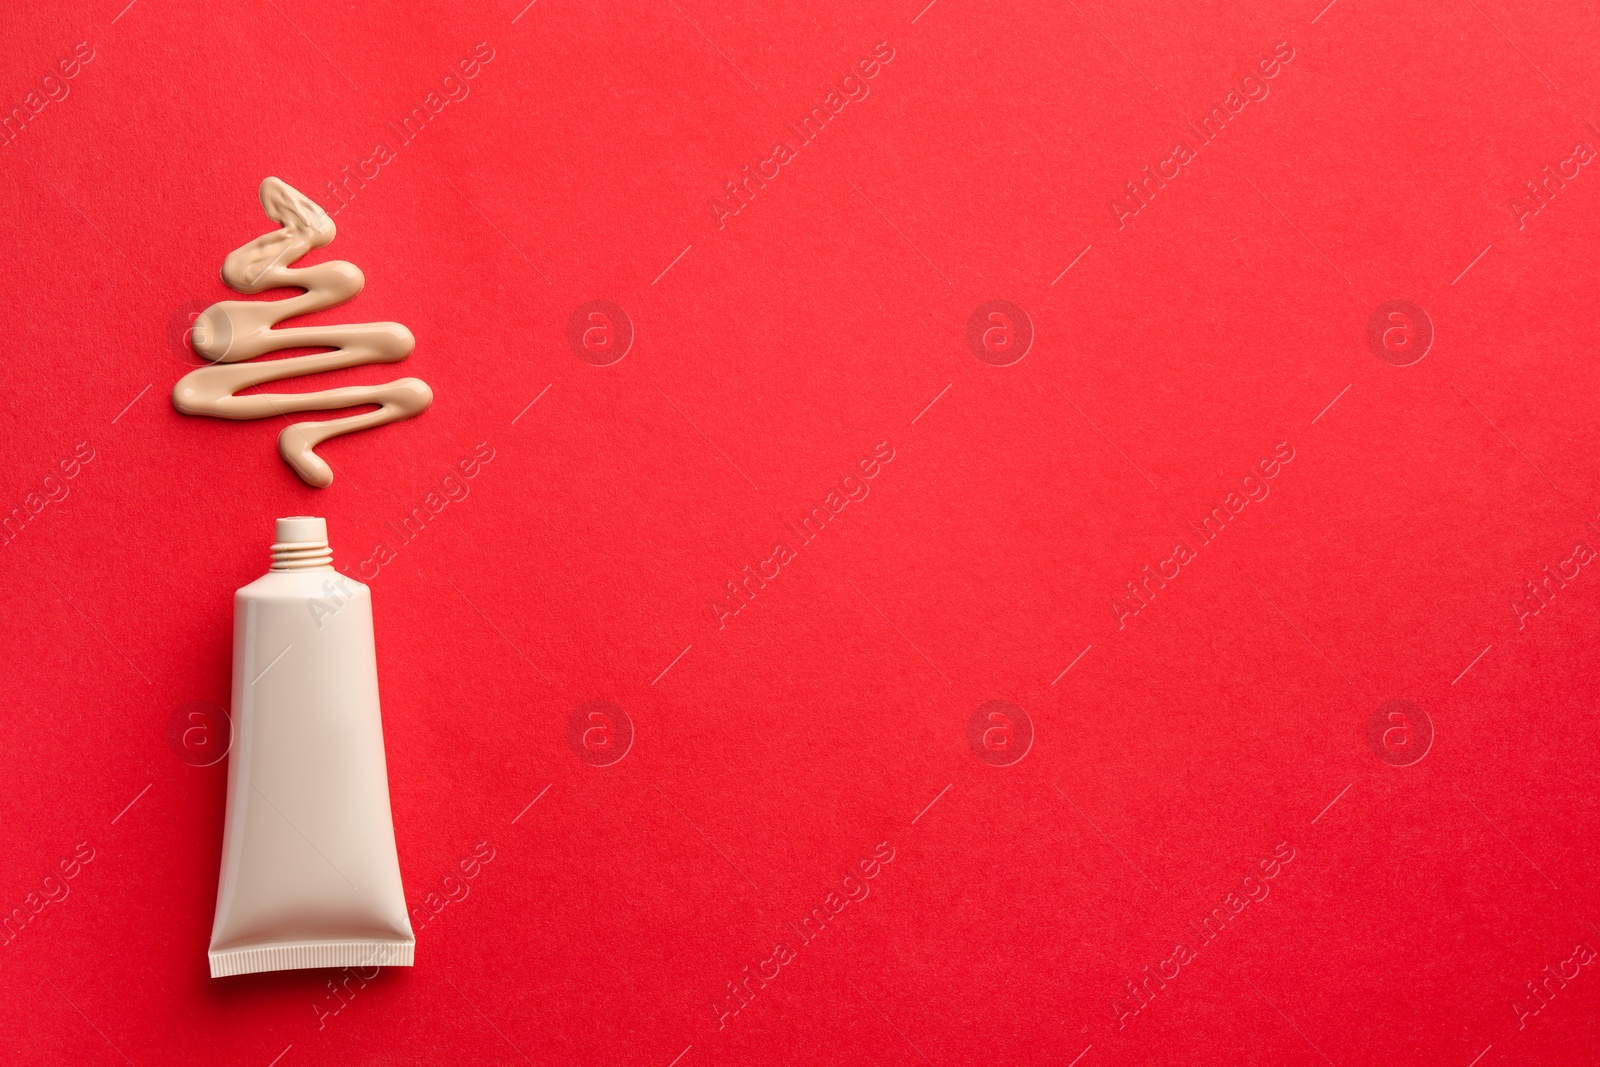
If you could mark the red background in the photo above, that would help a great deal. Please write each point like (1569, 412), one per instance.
(774, 753)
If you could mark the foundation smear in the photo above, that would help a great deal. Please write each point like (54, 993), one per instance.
(232, 331)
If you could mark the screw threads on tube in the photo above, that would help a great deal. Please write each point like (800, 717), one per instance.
(302, 545)
(302, 556)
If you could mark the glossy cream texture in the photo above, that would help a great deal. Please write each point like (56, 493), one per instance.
(310, 876)
(233, 331)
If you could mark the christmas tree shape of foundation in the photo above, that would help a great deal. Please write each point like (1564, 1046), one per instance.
(231, 332)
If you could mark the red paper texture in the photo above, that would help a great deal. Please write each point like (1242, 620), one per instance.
(958, 708)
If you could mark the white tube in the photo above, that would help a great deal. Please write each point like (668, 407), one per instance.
(310, 876)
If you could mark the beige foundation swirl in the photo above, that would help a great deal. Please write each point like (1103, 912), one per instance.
(232, 331)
